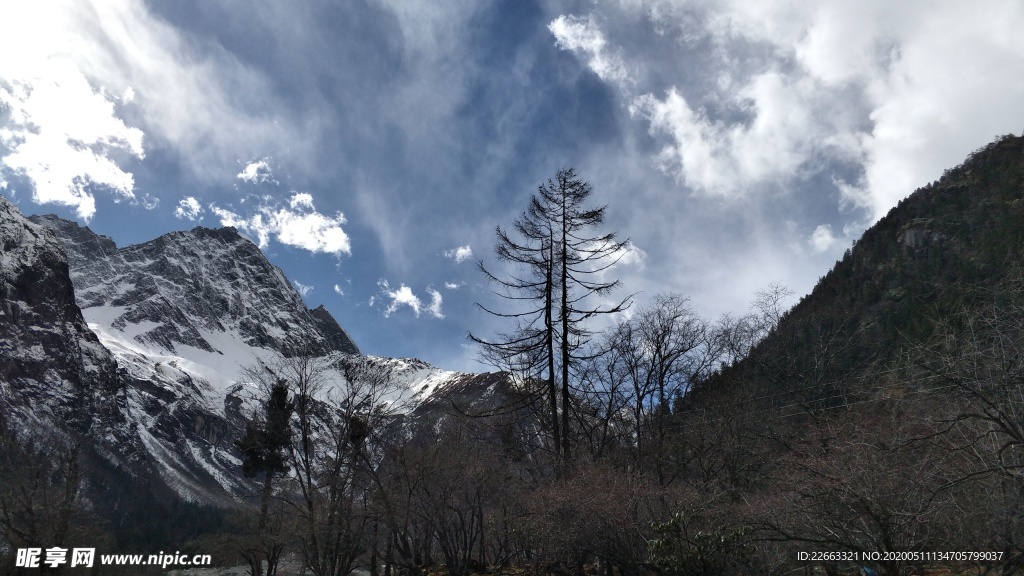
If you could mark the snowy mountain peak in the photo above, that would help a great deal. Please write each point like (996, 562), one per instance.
(335, 334)
(181, 319)
(149, 350)
(188, 289)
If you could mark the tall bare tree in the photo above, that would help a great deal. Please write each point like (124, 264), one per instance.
(558, 264)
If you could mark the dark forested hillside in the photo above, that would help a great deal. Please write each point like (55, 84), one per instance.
(885, 411)
(950, 246)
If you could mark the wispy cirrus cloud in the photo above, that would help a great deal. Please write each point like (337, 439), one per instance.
(302, 288)
(434, 308)
(85, 84)
(582, 35)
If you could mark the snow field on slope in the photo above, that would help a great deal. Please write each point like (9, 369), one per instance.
(219, 373)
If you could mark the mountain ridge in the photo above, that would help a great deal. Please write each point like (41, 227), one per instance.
(173, 323)
(194, 277)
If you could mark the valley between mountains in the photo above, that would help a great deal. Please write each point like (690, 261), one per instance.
(178, 394)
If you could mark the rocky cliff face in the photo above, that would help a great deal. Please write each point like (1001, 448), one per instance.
(336, 336)
(54, 371)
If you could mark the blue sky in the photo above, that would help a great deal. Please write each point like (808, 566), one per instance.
(372, 146)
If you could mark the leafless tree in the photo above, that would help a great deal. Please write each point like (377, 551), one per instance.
(41, 502)
(660, 352)
(866, 482)
(739, 334)
(977, 358)
(343, 411)
(605, 394)
(559, 266)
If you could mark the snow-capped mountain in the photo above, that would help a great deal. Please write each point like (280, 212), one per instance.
(144, 348)
(185, 289)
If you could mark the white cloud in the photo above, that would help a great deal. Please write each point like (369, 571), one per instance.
(435, 303)
(338, 290)
(403, 296)
(188, 209)
(301, 201)
(257, 172)
(460, 254)
(789, 125)
(581, 35)
(302, 288)
(822, 238)
(298, 225)
(72, 70)
(66, 150)
(946, 92)
(312, 231)
(453, 285)
(148, 201)
(896, 91)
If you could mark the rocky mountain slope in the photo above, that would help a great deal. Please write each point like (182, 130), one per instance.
(53, 367)
(144, 349)
(182, 289)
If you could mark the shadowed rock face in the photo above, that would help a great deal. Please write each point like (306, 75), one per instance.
(54, 369)
(335, 334)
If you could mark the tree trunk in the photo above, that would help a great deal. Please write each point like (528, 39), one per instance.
(564, 319)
